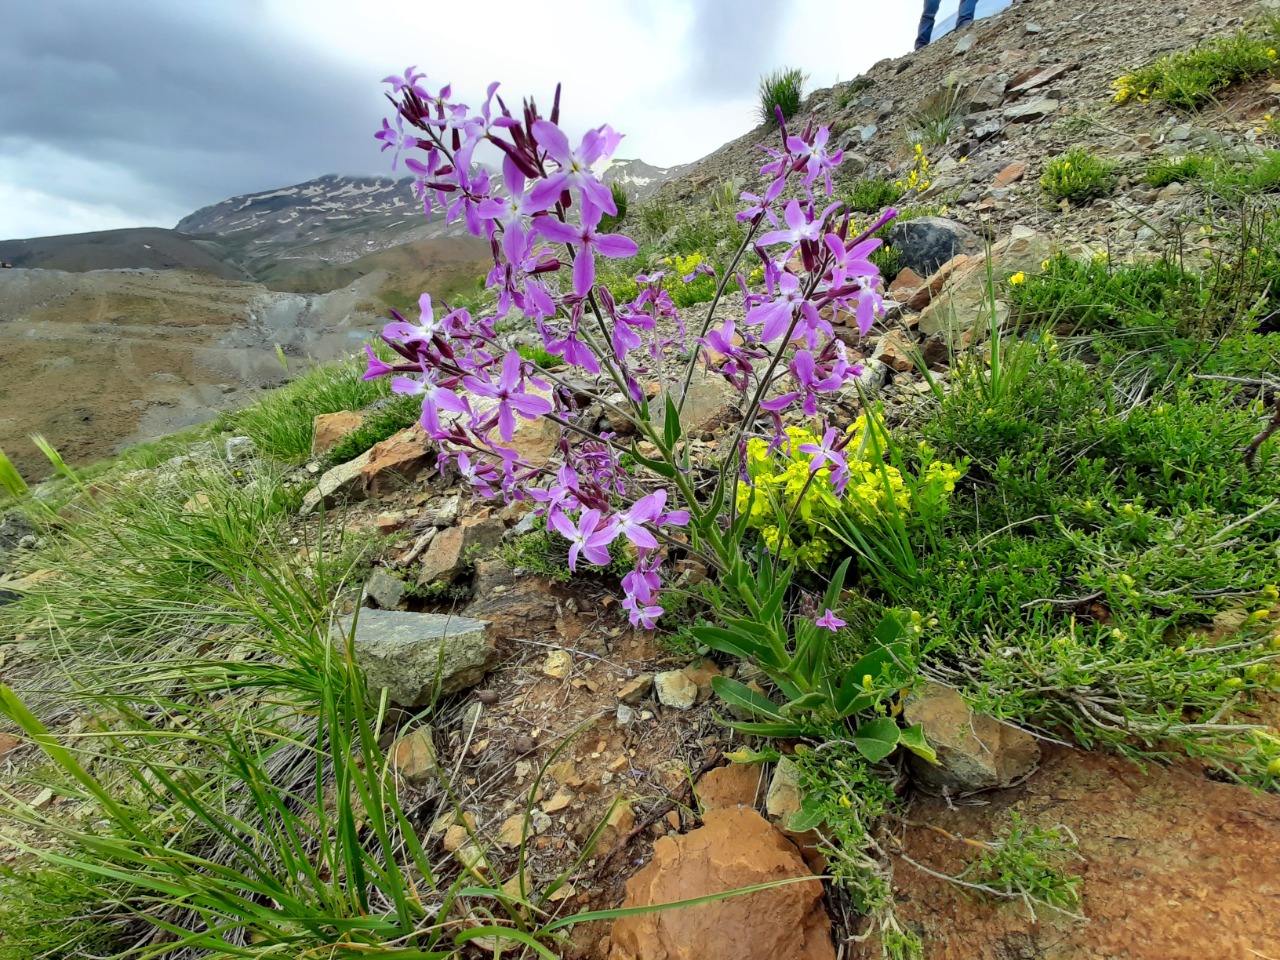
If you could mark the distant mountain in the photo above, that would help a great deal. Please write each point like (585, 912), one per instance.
(306, 210)
(639, 178)
(136, 249)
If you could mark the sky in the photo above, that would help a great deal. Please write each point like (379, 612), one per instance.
(125, 113)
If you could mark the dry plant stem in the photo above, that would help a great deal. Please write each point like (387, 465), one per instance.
(715, 302)
(1251, 451)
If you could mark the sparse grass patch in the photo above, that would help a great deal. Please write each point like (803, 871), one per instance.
(1188, 169)
(1078, 176)
(1191, 78)
(938, 117)
(1029, 864)
(387, 417)
(783, 89)
(282, 422)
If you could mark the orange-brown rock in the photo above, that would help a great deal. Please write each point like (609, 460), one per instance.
(396, 462)
(8, 744)
(956, 266)
(735, 848)
(453, 550)
(727, 788)
(896, 351)
(905, 284)
(329, 428)
(1010, 174)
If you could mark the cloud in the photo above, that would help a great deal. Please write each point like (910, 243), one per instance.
(141, 111)
(191, 99)
(731, 43)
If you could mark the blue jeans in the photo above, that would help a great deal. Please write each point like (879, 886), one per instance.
(965, 18)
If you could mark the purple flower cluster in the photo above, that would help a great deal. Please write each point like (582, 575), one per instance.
(542, 222)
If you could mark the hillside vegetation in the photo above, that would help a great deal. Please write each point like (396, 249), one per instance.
(994, 670)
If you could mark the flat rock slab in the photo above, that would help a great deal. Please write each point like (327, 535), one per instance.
(419, 655)
(1176, 866)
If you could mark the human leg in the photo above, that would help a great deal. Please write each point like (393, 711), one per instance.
(967, 10)
(925, 34)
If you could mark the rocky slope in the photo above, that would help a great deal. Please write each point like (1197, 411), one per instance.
(143, 248)
(1029, 83)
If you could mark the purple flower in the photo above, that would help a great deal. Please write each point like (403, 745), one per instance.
(434, 399)
(630, 523)
(641, 615)
(408, 82)
(587, 241)
(801, 225)
(575, 166)
(776, 314)
(481, 476)
(589, 538)
(377, 366)
(828, 450)
(395, 138)
(510, 393)
(830, 621)
(422, 332)
(817, 159)
(762, 206)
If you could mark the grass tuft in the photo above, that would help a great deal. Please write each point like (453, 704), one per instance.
(1078, 176)
(782, 89)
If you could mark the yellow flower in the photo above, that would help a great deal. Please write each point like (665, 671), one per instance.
(964, 159)
(1018, 278)
(844, 802)
(1271, 53)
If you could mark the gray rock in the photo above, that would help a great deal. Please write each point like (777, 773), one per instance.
(785, 796)
(384, 590)
(867, 132)
(675, 689)
(1181, 132)
(626, 716)
(1034, 28)
(417, 656)
(966, 43)
(975, 752)
(1031, 110)
(240, 448)
(926, 243)
(339, 485)
(710, 403)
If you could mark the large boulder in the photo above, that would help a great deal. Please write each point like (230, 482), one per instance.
(926, 243)
(734, 848)
(975, 751)
(418, 655)
(711, 402)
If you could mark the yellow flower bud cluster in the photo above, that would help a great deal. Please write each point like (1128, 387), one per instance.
(794, 513)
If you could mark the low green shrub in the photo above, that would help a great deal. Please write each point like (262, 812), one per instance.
(1188, 169)
(871, 194)
(1078, 176)
(1191, 78)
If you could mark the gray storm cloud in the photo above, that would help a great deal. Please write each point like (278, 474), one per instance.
(732, 43)
(190, 102)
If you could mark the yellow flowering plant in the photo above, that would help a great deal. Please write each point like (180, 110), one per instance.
(813, 517)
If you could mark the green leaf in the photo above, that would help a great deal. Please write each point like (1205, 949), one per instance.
(738, 644)
(779, 731)
(876, 739)
(660, 467)
(671, 424)
(914, 740)
(810, 701)
(738, 694)
(808, 817)
(767, 755)
(836, 587)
